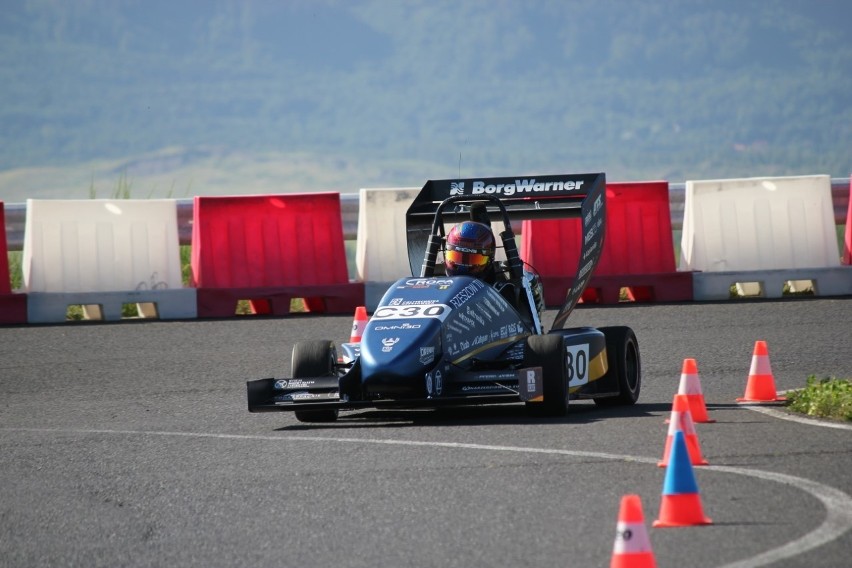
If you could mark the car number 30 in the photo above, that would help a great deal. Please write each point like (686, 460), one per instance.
(404, 312)
(577, 364)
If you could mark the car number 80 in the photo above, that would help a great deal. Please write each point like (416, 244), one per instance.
(577, 364)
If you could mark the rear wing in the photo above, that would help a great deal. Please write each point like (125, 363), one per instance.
(541, 197)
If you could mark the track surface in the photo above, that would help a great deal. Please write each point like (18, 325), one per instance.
(129, 445)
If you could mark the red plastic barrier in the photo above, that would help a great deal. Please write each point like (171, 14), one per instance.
(13, 307)
(847, 249)
(270, 249)
(638, 251)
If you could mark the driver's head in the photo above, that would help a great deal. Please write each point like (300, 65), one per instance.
(470, 249)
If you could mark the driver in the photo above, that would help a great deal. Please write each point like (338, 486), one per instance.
(470, 251)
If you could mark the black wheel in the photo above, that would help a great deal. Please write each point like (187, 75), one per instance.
(548, 352)
(625, 366)
(314, 359)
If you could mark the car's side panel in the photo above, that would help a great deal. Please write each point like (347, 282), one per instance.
(585, 359)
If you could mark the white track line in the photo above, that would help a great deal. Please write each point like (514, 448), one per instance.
(838, 505)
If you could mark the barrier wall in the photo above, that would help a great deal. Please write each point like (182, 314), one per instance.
(761, 233)
(269, 249)
(638, 251)
(13, 307)
(381, 255)
(75, 255)
(102, 254)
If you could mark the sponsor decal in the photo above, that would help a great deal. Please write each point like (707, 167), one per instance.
(520, 186)
(427, 355)
(475, 388)
(592, 231)
(480, 340)
(475, 315)
(598, 204)
(516, 352)
(457, 327)
(530, 384)
(401, 302)
(284, 384)
(466, 293)
(456, 188)
(313, 396)
(586, 268)
(405, 325)
(388, 343)
(490, 305)
(428, 282)
(434, 383)
(531, 380)
(303, 395)
(467, 320)
(590, 250)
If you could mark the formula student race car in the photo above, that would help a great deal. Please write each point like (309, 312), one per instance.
(437, 340)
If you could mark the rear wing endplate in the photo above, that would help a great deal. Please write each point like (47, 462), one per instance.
(580, 196)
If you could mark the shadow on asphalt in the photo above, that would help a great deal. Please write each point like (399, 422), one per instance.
(486, 415)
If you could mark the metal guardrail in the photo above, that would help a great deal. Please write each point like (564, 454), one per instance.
(16, 213)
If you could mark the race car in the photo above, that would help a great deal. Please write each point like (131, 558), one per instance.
(437, 340)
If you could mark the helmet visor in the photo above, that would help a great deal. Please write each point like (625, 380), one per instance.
(463, 258)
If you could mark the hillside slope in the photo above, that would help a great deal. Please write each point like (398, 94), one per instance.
(373, 92)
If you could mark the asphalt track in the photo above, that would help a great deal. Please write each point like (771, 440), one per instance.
(129, 444)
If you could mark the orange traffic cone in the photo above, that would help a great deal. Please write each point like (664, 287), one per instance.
(632, 548)
(690, 385)
(681, 421)
(761, 383)
(359, 324)
(681, 503)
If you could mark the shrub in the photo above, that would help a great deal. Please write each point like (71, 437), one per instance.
(826, 398)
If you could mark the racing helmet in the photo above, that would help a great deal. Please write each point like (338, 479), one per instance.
(469, 250)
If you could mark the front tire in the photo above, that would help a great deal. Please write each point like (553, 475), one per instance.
(548, 352)
(625, 366)
(314, 359)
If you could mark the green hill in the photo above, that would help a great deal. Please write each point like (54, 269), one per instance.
(212, 96)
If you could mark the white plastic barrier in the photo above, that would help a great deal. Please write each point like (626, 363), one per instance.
(102, 254)
(761, 233)
(381, 253)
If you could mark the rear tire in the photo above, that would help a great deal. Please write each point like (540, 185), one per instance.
(548, 352)
(314, 359)
(625, 366)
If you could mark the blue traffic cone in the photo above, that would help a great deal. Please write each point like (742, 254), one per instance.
(681, 503)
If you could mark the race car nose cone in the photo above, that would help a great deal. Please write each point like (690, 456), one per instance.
(396, 355)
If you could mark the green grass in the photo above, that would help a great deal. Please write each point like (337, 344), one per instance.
(16, 276)
(829, 397)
